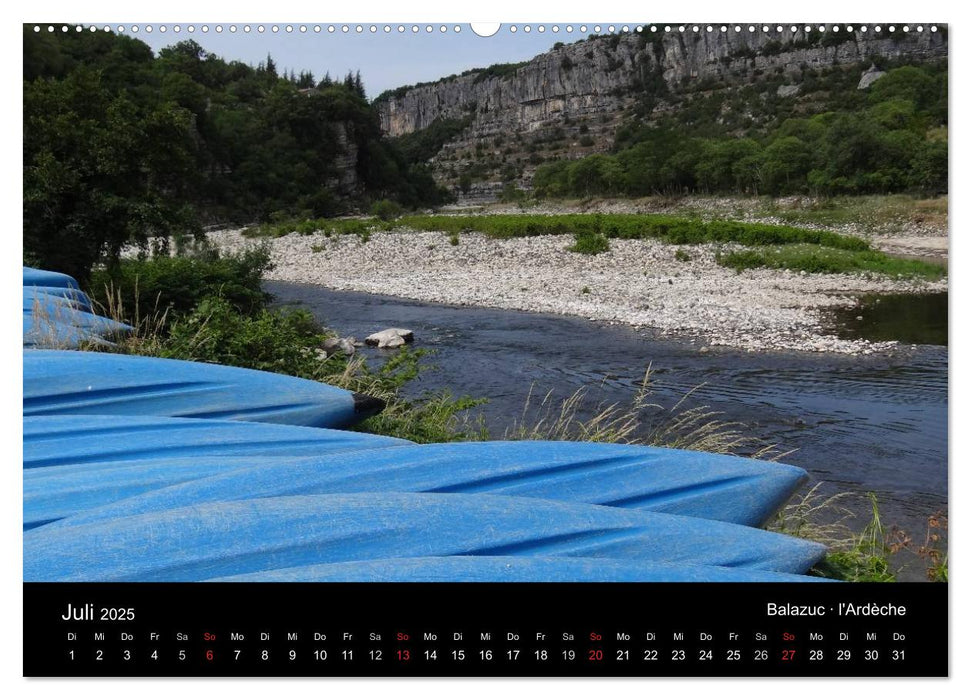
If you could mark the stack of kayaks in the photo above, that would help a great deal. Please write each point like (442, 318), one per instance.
(58, 315)
(142, 469)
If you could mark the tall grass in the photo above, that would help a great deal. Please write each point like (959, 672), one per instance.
(642, 421)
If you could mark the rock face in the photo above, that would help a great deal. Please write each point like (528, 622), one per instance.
(596, 76)
(345, 180)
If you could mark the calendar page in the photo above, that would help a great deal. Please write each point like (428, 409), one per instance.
(607, 348)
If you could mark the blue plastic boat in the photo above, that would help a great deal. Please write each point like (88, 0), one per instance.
(47, 333)
(45, 278)
(241, 537)
(71, 441)
(55, 295)
(61, 314)
(517, 570)
(65, 382)
(718, 487)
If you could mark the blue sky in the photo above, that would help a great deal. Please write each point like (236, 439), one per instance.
(385, 60)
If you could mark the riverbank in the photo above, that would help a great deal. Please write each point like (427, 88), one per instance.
(675, 290)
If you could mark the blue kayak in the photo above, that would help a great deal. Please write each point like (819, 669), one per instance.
(241, 537)
(516, 570)
(65, 382)
(56, 295)
(60, 314)
(45, 278)
(46, 333)
(718, 487)
(71, 441)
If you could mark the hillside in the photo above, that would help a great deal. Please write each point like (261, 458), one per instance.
(497, 125)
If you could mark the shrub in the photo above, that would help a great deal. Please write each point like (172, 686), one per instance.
(386, 210)
(273, 341)
(589, 243)
(175, 285)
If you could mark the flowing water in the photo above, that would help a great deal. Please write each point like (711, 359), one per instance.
(858, 424)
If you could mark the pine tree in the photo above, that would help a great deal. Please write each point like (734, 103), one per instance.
(306, 80)
(270, 66)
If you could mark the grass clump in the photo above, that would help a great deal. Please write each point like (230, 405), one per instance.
(642, 422)
(820, 259)
(589, 243)
(681, 256)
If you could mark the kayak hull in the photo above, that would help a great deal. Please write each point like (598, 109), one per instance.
(697, 484)
(79, 383)
(241, 537)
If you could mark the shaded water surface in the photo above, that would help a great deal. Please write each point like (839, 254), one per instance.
(909, 318)
(856, 423)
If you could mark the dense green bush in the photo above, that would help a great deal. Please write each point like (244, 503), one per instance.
(590, 243)
(274, 341)
(176, 285)
(386, 210)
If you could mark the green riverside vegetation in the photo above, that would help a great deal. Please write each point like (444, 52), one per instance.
(771, 246)
(669, 229)
(816, 258)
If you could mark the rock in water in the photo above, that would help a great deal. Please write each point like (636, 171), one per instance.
(345, 345)
(390, 338)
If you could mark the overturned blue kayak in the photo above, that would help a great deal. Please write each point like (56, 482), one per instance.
(241, 537)
(45, 278)
(63, 441)
(59, 314)
(47, 333)
(55, 295)
(58, 484)
(65, 382)
(698, 484)
(516, 570)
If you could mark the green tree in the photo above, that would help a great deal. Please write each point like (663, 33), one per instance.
(99, 172)
(787, 161)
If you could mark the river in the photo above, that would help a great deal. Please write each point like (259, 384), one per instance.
(857, 424)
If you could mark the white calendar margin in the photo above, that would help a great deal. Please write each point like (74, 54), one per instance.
(509, 11)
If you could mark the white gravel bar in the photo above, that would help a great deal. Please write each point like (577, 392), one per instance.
(640, 283)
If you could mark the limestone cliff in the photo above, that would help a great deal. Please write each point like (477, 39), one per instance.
(568, 102)
(599, 75)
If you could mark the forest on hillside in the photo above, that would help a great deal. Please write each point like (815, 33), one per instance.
(121, 145)
(826, 137)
